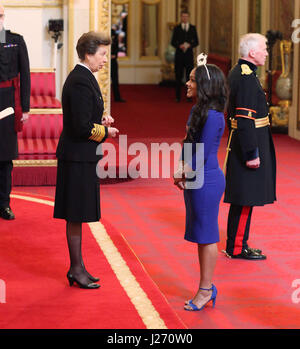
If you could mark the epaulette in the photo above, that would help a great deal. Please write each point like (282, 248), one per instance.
(246, 69)
(12, 33)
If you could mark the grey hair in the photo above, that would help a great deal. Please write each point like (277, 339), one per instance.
(250, 42)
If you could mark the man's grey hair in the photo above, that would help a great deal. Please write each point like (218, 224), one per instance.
(250, 42)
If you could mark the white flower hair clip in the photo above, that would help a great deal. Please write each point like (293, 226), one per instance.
(202, 60)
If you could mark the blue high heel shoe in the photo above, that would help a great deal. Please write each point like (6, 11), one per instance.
(212, 298)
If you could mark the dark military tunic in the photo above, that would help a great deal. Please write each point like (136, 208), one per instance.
(247, 102)
(13, 62)
(77, 197)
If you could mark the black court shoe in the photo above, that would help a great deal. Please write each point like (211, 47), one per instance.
(91, 277)
(73, 279)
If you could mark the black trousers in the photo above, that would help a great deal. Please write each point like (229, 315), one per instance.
(238, 226)
(5, 182)
(182, 62)
(115, 79)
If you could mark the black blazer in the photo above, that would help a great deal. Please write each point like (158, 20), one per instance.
(83, 108)
(180, 36)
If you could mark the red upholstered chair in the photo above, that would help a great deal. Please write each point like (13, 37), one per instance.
(36, 164)
(43, 90)
(39, 137)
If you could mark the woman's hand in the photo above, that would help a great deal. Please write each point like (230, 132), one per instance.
(180, 184)
(179, 178)
(25, 117)
(254, 164)
(112, 132)
(107, 120)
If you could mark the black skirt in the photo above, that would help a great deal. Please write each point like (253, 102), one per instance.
(77, 197)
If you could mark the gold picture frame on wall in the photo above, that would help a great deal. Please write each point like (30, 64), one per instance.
(103, 76)
(121, 11)
(150, 15)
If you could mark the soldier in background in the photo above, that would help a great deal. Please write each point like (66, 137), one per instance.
(14, 106)
(251, 166)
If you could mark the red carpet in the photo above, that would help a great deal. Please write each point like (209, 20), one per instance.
(33, 266)
(150, 112)
(251, 295)
(146, 217)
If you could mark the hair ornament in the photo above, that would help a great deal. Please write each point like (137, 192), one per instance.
(202, 60)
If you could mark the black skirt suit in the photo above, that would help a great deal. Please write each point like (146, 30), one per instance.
(77, 197)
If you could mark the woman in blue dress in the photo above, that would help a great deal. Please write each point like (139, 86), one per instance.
(202, 195)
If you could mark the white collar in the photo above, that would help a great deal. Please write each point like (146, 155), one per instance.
(85, 66)
(185, 24)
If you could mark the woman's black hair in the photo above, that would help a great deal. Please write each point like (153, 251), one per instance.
(211, 94)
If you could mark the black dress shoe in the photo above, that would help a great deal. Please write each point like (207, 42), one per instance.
(249, 254)
(7, 213)
(257, 250)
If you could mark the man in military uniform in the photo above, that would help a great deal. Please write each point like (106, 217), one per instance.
(184, 39)
(14, 106)
(251, 165)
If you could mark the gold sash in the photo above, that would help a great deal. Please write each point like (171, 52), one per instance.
(263, 122)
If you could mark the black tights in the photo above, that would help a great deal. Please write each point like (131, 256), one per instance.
(74, 239)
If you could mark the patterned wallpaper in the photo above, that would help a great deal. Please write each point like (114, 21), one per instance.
(284, 16)
(281, 19)
(221, 27)
(254, 16)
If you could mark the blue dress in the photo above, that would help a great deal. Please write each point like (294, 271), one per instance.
(202, 205)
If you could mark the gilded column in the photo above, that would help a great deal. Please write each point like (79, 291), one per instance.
(104, 25)
(70, 35)
(239, 25)
(294, 117)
